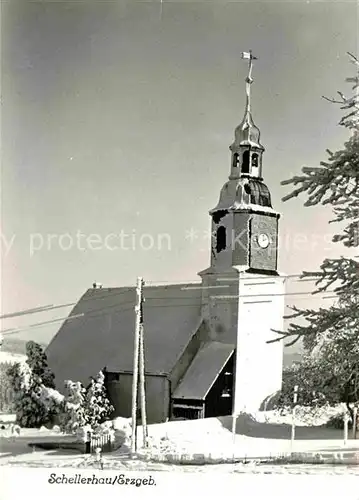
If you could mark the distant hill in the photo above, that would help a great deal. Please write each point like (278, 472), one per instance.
(15, 346)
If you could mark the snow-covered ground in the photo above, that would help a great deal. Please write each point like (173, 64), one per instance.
(304, 416)
(7, 419)
(256, 437)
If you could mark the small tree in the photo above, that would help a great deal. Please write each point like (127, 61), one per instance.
(30, 410)
(74, 412)
(86, 407)
(98, 406)
(321, 382)
(33, 405)
(37, 361)
(6, 390)
(303, 375)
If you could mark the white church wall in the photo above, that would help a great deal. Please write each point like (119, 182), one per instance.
(258, 364)
(220, 306)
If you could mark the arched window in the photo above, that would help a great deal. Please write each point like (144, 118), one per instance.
(235, 160)
(255, 160)
(245, 164)
(221, 239)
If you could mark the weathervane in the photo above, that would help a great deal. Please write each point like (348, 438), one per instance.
(161, 10)
(249, 80)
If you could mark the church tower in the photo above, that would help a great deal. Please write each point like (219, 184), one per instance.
(244, 224)
(242, 291)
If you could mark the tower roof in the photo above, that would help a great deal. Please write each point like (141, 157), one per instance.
(243, 193)
(247, 133)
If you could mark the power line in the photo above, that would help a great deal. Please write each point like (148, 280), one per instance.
(90, 314)
(66, 318)
(257, 295)
(248, 277)
(103, 313)
(25, 312)
(285, 294)
(102, 310)
(48, 308)
(51, 307)
(33, 310)
(171, 283)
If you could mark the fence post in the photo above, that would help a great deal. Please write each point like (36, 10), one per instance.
(346, 419)
(295, 399)
(355, 421)
(234, 422)
(88, 443)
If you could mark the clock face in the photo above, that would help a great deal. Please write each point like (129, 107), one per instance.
(263, 240)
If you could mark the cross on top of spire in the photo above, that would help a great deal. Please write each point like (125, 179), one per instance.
(247, 133)
(249, 80)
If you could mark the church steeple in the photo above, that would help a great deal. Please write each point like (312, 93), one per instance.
(246, 149)
(244, 223)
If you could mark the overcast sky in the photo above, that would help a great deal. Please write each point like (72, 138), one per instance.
(117, 118)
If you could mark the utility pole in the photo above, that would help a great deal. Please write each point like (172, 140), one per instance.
(142, 383)
(136, 350)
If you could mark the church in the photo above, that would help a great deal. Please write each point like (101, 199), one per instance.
(206, 344)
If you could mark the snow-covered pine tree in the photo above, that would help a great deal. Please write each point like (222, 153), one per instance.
(37, 360)
(31, 382)
(74, 414)
(98, 406)
(30, 410)
(331, 335)
(6, 390)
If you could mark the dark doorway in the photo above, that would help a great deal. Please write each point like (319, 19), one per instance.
(219, 400)
(187, 409)
(217, 403)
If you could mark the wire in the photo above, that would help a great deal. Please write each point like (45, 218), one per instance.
(35, 325)
(67, 318)
(103, 312)
(56, 320)
(150, 299)
(52, 307)
(285, 294)
(248, 276)
(27, 311)
(88, 315)
(60, 306)
(171, 283)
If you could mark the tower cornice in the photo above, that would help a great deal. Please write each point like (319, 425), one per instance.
(250, 209)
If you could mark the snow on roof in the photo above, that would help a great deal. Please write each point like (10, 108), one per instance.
(104, 335)
(204, 370)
